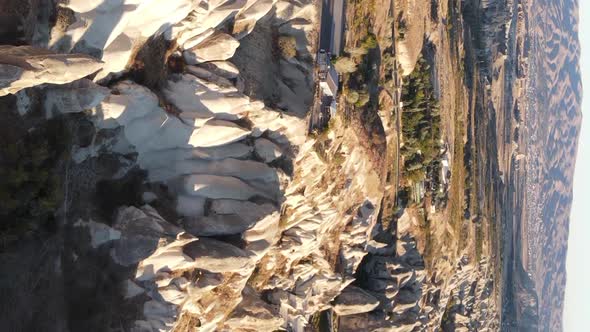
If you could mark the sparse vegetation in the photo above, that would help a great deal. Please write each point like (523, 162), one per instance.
(429, 243)
(363, 99)
(370, 42)
(360, 80)
(338, 158)
(322, 140)
(456, 194)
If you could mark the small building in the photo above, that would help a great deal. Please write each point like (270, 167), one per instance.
(323, 64)
(445, 165)
(444, 170)
(329, 85)
(329, 93)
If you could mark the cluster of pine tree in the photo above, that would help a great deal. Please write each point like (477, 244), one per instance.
(421, 125)
(30, 189)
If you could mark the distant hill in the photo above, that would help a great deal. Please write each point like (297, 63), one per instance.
(554, 123)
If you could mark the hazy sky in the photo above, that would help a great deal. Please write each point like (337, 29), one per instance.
(577, 290)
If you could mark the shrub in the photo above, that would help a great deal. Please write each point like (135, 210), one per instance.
(370, 42)
(345, 65)
(352, 97)
(287, 46)
(363, 99)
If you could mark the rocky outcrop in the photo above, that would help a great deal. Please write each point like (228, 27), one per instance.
(213, 147)
(353, 300)
(409, 299)
(231, 188)
(26, 66)
(253, 314)
(253, 11)
(412, 26)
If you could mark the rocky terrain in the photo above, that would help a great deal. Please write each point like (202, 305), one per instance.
(188, 194)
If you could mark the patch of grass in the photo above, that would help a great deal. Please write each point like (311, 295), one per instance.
(351, 96)
(363, 99)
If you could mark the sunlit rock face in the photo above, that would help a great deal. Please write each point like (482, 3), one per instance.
(26, 66)
(249, 197)
(114, 30)
(232, 163)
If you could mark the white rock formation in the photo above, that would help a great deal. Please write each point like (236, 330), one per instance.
(117, 28)
(200, 99)
(220, 187)
(415, 18)
(247, 18)
(355, 238)
(26, 66)
(264, 228)
(217, 47)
